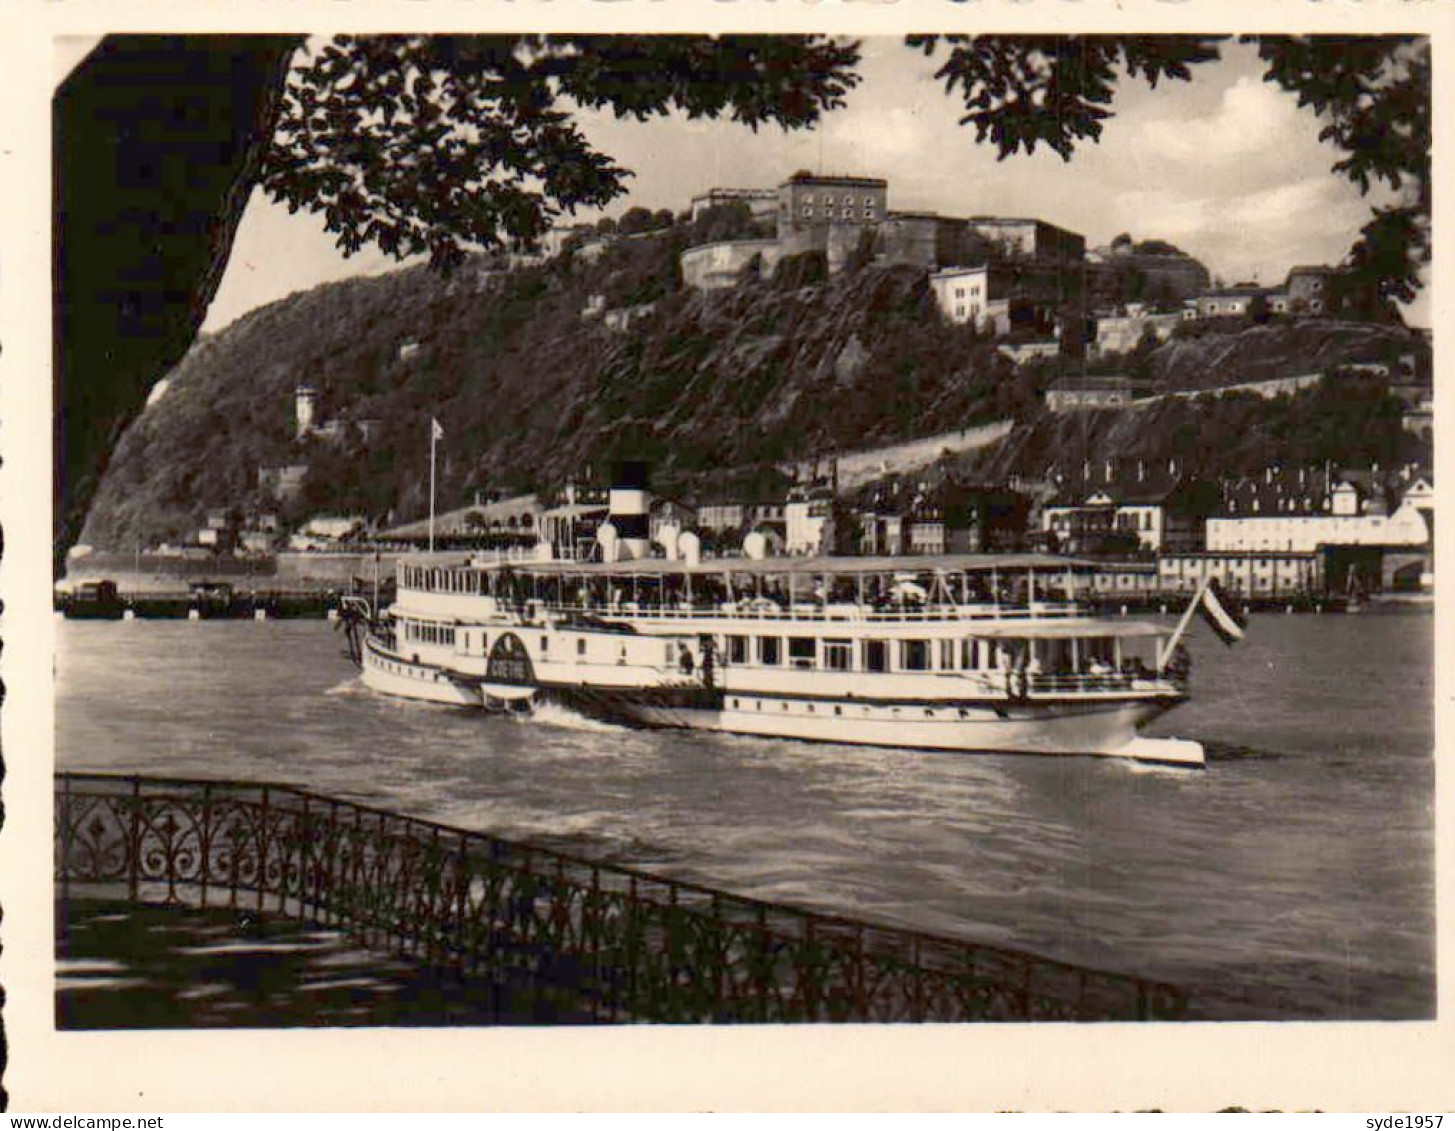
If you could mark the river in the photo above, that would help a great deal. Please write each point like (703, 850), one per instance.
(1293, 877)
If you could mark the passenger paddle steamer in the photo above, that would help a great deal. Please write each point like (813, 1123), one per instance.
(961, 653)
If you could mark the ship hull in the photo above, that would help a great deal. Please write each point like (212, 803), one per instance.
(392, 674)
(1106, 728)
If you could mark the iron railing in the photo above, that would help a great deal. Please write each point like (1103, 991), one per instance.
(602, 942)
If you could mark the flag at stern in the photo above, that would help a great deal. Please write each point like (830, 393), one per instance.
(1222, 614)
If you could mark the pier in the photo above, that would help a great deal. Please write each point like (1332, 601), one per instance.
(533, 933)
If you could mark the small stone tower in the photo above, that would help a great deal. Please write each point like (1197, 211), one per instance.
(305, 409)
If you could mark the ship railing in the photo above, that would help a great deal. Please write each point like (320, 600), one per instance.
(771, 611)
(1080, 682)
(579, 937)
(469, 582)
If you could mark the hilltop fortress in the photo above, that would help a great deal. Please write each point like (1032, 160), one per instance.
(845, 217)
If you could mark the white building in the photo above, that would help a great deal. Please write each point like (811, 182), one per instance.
(963, 294)
(805, 522)
(1304, 533)
(1250, 573)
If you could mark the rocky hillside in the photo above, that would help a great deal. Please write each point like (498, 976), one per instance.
(530, 389)
(1211, 359)
(533, 379)
(1348, 420)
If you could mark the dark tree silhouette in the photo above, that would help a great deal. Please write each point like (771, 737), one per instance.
(415, 144)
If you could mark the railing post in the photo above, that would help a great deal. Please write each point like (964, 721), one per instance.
(436, 902)
(462, 900)
(305, 838)
(760, 977)
(262, 876)
(861, 980)
(591, 921)
(204, 840)
(65, 862)
(133, 847)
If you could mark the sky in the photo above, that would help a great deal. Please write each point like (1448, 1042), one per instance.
(1226, 167)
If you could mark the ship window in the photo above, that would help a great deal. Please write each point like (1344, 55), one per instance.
(838, 710)
(737, 703)
(581, 646)
(838, 655)
(802, 651)
(914, 655)
(545, 644)
(769, 650)
(876, 656)
(947, 655)
(737, 649)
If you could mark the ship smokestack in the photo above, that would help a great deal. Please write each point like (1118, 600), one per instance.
(629, 508)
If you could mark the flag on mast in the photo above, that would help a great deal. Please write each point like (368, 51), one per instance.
(1221, 614)
(436, 434)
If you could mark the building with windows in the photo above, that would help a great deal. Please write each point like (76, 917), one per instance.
(1242, 301)
(1304, 533)
(1309, 290)
(1242, 572)
(808, 200)
(808, 519)
(963, 294)
(1370, 530)
(1127, 505)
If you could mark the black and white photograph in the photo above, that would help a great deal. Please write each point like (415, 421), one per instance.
(740, 531)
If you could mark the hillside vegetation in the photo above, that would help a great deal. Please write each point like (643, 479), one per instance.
(1349, 421)
(529, 391)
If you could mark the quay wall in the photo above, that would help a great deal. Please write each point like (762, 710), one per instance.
(286, 572)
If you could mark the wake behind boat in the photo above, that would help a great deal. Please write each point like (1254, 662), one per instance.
(968, 653)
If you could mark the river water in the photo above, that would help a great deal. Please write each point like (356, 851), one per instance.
(1293, 877)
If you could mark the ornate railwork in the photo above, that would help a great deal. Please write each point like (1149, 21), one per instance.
(597, 941)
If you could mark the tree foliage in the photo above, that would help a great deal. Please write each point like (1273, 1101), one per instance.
(437, 144)
(434, 144)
